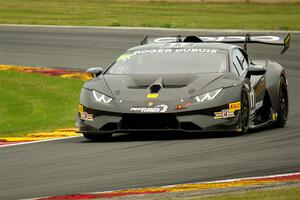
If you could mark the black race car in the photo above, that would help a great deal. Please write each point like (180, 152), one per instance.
(187, 84)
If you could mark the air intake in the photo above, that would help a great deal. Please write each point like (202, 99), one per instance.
(155, 88)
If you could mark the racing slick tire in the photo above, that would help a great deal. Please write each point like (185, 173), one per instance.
(97, 137)
(245, 112)
(283, 106)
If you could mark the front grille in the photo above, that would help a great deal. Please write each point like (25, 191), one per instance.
(189, 126)
(145, 121)
(109, 127)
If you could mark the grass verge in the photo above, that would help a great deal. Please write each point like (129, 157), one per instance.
(292, 193)
(34, 102)
(151, 14)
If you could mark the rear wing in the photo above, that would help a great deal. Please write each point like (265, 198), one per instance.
(262, 39)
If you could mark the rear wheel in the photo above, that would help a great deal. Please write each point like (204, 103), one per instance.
(244, 112)
(97, 137)
(283, 106)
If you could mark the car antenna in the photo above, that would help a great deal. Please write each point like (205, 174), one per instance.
(179, 38)
(144, 40)
(247, 39)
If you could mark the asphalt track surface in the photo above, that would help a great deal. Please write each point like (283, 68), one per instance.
(138, 160)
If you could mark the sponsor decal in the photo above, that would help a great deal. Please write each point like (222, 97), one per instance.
(224, 114)
(183, 105)
(86, 116)
(152, 96)
(179, 107)
(234, 106)
(181, 50)
(157, 109)
(188, 104)
(222, 38)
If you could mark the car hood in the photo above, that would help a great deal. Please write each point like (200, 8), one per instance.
(136, 87)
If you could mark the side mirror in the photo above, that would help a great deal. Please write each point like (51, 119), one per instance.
(95, 71)
(256, 70)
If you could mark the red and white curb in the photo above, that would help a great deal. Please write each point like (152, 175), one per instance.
(240, 182)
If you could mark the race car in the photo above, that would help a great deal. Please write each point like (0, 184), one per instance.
(186, 84)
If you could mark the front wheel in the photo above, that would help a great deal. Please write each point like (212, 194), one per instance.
(283, 106)
(244, 112)
(97, 137)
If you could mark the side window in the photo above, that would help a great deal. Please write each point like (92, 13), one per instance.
(240, 64)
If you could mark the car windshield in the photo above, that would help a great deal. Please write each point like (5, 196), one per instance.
(171, 61)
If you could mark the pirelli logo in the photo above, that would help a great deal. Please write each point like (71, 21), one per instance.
(234, 106)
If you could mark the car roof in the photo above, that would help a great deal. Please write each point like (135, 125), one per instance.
(220, 46)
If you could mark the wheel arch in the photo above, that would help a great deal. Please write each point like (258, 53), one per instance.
(273, 76)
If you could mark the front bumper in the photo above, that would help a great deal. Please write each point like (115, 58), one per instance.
(160, 115)
(189, 121)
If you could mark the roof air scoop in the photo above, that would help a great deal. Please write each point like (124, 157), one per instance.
(193, 39)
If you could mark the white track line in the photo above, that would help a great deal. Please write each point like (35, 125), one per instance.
(153, 28)
(239, 179)
(38, 141)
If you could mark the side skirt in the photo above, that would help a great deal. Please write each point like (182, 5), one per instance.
(264, 124)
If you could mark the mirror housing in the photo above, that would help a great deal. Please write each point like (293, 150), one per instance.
(256, 70)
(95, 71)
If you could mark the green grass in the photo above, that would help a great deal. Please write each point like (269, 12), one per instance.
(35, 102)
(151, 14)
(292, 193)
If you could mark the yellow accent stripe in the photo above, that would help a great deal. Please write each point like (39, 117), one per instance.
(152, 96)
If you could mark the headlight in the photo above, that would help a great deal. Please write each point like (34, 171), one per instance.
(207, 96)
(101, 98)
